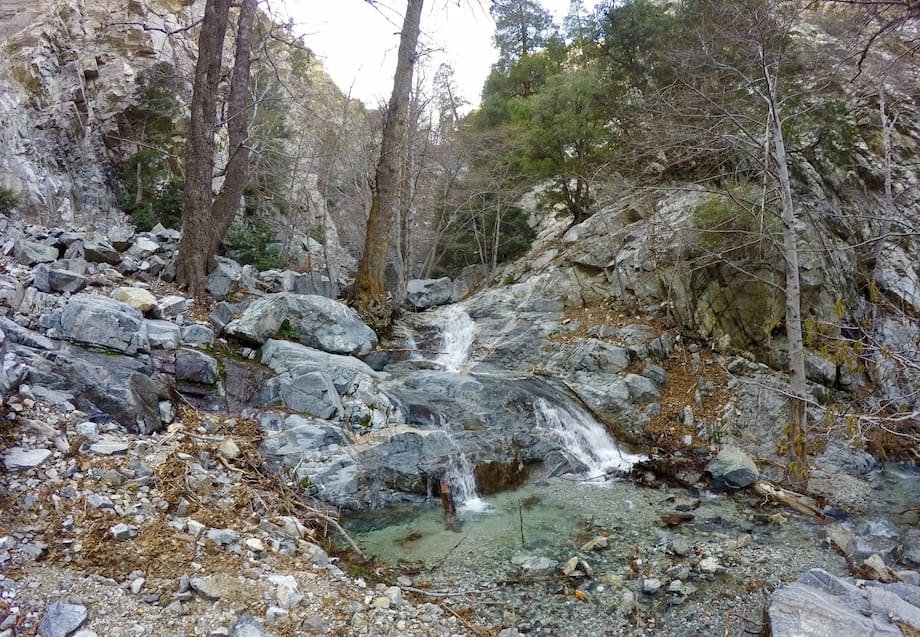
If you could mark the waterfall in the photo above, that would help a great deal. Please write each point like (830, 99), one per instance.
(457, 333)
(459, 476)
(584, 440)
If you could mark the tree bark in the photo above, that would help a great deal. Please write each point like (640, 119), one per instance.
(204, 220)
(370, 292)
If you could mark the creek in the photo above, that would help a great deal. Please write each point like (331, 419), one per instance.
(506, 550)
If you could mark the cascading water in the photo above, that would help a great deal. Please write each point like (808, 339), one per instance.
(462, 483)
(457, 333)
(583, 439)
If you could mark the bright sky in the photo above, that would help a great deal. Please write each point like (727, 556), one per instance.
(357, 42)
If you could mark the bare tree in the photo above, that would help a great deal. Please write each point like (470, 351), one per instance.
(207, 217)
(370, 292)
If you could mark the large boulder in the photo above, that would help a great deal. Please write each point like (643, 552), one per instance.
(424, 293)
(316, 452)
(119, 387)
(99, 321)
(821, 605)
(54, 280)
(314, 321)
(32, 252)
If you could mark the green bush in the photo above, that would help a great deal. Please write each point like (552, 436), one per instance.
(734, 225)
(254, 244)
(9, 199)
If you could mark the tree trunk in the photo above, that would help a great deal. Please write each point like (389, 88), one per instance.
(204, 220)
(796, 453)
(370, 292)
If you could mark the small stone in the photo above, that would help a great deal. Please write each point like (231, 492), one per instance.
(229, 449)
(61, 620)
(121, 531)
(570, 567)
(651, 585)
(19, 459)
(88, 430)
(109, 447)
(627, 601)
(709, 565)
(247, 626)
(679, 545)
(97, 501)
(381, 602)
(676, 586)
(223, 537)
(395, 595)
(404, 581)
(597, 544)
(137, 585)
(274, 614)
(194, 527)
(204, 588)
(255, 544)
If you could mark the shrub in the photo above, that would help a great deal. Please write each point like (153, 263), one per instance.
(735, 225)
(9, 199)
(254, 244)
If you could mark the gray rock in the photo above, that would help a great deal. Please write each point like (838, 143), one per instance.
(100, 251)
(22, 336)
(61, 620)
(121, 531)
(19, 459)
(823, 605)
(248, 626)
(314, 321)
(143, 248)
(197, 335)
(424, 293)
(109, 447)
(170, 306)
(655, 373)
(732, 469)
(307, 283)
(32, 252)
(641, 389)
(100, 321)
(311, 393)
(222, 537)
(196, 367)
(163, 335)
(122, 387)
(48, 279)
(538, 566)
(203, 586)
(221, 315)
(140, 299)
(225, 278)
(651, 585)
(120, 236)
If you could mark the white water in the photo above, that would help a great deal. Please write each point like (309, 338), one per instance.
(463, 485)
(457, 333)
(584, 440)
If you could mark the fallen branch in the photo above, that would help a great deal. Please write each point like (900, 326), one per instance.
(791, 499)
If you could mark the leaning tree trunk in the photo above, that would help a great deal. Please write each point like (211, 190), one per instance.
(205, 220)
(796, 452)
(370, 292)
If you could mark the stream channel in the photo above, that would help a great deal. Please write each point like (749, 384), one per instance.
(523, 558)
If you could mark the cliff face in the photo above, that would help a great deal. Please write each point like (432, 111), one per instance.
(75, 70)
(71, 69)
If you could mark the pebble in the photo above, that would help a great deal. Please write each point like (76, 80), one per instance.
(709, 565)
(679, 545)
(381, 602)
(651, 585)
(229, 449)
(194, 527)
(255, 544)
(121, 531)
(223, 537)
